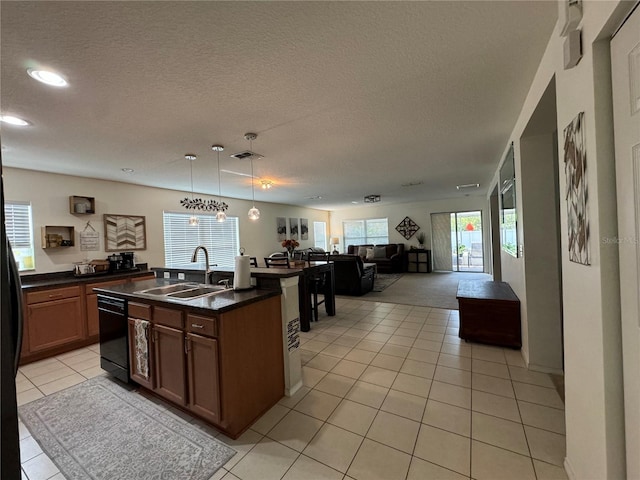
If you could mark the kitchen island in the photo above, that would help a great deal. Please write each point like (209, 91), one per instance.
(217, 356)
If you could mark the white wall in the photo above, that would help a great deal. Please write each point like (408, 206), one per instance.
(49, 197)
(420, 213)
(593, 367)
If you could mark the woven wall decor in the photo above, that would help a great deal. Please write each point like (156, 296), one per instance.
(407, 228)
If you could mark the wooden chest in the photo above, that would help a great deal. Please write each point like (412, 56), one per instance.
(489, 313)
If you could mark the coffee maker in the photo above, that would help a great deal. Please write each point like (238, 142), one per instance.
(127, 260)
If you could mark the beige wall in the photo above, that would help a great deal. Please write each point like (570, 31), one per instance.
(420, 213)
(49, 197)
(592, 343)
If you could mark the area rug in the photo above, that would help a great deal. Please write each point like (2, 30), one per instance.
(100, 430)
(436, 289)
(383, 280)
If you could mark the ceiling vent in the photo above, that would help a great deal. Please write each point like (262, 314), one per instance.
(247, 154)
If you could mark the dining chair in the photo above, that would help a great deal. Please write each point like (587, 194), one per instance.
(253, 261)
(317, 282)
(282, 262)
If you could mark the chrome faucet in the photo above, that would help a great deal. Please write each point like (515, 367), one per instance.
(194, 258)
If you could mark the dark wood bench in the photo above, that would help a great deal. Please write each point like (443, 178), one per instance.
(489, 313)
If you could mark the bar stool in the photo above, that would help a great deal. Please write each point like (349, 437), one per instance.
(317, 283)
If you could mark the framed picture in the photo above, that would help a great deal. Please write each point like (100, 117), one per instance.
(281, 228)
(293, 228)
(304, 229)
(124, 232)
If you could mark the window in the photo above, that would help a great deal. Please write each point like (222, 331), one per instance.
(181, 239)
(371, 231)
(17, 219)
(320, 235)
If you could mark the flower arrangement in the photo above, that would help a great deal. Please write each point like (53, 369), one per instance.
(290, 245)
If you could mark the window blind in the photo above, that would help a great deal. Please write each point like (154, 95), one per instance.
(180, 239)
(18, 224)
(366, 231)
(320, 234)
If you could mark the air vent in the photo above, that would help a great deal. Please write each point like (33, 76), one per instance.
(247, 154)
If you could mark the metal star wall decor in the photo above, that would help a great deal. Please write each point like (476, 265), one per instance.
(407, 228)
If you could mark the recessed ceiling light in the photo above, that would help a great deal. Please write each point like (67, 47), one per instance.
(355, 203)
(128, 170)
(11, 120)
(50, 78)
(467, 185)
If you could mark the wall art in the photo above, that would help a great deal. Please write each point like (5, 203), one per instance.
(293, 228)
(281, 228)
(575, 170)
(407, 228)
(124, 232)
(304, 229)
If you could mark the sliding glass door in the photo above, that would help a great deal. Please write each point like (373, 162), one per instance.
(457, 241)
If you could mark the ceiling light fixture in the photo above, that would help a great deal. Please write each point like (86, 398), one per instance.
(45, 76)
(467, 185)
(266, 184)
(371, 198)
(254, 213)
(220, 215)
(13, 120)
(193, 220)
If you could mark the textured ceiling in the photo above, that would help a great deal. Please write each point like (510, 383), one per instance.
(347, 98)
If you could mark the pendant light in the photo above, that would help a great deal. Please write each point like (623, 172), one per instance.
(193, 220)
(254, 213)
(220, 216)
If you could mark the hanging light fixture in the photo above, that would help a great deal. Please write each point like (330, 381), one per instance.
(220, 216)
(193, 220)
(254, 213)
(266, 184)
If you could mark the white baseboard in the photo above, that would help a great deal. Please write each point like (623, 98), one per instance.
(569, 469)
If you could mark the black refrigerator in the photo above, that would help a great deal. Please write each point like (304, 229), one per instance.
(10, 343)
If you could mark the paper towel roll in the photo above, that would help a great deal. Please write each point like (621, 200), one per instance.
(242, 273)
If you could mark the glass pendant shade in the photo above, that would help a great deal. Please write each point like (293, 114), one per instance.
(193, 221)
(254, 213)
(221, 216)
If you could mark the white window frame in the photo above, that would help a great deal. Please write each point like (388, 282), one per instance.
(365, 239)
(18, 220)
(221, 239)
(320, 239)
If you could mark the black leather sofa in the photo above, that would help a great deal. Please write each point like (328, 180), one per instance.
(390, 260)
(351, 277)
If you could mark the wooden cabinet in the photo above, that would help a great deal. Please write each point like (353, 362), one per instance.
(134, 373)
(225, 368)
(54, 318)
(418, 261)
(57, 236)
(202, 372)
(169, 364)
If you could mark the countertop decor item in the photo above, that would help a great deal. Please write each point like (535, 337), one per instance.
(290, 245)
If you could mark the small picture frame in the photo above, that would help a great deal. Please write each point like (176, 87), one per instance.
(124, 233)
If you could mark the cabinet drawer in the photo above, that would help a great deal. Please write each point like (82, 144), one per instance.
(53, 294)
(202, 325)
(168, 317)
(139, 310)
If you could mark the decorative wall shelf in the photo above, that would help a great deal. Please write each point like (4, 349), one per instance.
(82, 205)
(54, 236)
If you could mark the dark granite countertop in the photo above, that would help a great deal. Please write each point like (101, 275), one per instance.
(219, 302)
(66, 279)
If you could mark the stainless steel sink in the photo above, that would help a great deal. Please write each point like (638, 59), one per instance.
(184, 291)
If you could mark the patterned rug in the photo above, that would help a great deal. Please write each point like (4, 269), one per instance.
(99, 429)
(383, 280)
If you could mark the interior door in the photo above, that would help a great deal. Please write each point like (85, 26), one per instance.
(625, 66)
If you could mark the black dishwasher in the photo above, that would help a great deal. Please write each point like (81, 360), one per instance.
(114, 347)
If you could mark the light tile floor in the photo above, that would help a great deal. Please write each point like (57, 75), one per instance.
(390, 392)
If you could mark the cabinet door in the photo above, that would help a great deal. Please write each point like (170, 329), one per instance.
(134, 373)
(93, 321)
(54, 323)
(204, 390)
(169, 363)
